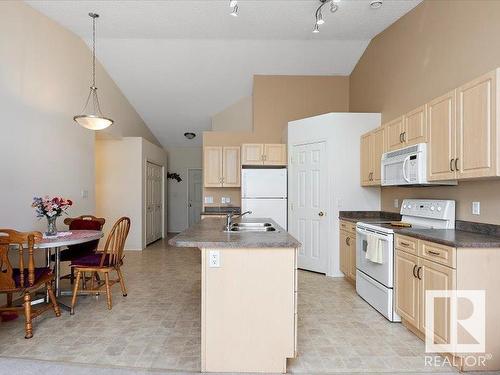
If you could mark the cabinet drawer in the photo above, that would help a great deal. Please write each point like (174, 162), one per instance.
(438, 253)
(344, 225)
(408, 244)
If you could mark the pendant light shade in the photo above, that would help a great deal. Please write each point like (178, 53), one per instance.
(92, 117)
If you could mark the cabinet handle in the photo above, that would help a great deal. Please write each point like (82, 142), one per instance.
(348, 241)
(414, 274)
(433, 252)
(418, 273)
(456, 164)
(404, 243)
(404, 137)
(400, 137)
(451, 165)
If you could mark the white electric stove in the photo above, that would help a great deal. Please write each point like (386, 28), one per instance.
(374, 281)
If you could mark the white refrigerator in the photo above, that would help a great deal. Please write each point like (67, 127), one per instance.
(264, 192)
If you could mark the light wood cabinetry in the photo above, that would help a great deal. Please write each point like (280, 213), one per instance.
(477, 129)
(407, 291)
(347, 250)
(221, 166)
(463, 131)
(415, 129)
(263, 154)
(373, 145)
(394, 134)
(441, 128)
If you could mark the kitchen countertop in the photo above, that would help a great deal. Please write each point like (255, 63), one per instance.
(209, 233)
(368, 216)
(476, 235)
(220, 210)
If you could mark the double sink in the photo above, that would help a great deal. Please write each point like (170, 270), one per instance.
(251, 227)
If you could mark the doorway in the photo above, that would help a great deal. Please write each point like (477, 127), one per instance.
(195, 193)
(154, 202)
(308, 185)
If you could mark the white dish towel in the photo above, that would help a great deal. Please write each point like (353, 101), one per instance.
(374, 251)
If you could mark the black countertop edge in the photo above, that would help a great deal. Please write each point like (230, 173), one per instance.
(355, 216)
(221, 210)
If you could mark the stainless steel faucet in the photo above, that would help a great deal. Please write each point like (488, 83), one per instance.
(230, 216)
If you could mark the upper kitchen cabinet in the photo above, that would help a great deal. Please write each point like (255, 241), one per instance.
(415, 130)
(263, 154)
(394, 134)
(477, 128)
(463, 130)
(373, 145)
(252, 154)
(441, 131)
(221, 166)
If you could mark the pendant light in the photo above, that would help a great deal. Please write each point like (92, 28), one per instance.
(92, 117)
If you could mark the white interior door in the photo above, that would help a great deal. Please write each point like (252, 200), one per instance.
(154, 202)
(195, 185)
(308, 222)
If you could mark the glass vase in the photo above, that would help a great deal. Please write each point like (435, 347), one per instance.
(51, 226)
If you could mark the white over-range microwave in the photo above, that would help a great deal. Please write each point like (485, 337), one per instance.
(407, 166)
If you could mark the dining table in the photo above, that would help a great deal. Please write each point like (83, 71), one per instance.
(56, 244)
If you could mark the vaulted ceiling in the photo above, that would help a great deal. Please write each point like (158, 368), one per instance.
(179, 62)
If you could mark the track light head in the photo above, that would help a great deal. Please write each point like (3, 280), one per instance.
(319, 19)
(316, 28)
(234, 12)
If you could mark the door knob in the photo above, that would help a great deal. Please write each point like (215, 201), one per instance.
(321, 213)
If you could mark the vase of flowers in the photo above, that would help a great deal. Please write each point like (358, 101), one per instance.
(51, 208)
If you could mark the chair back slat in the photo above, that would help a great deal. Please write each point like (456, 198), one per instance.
(76, 222)
(9, 237)
(115, 242)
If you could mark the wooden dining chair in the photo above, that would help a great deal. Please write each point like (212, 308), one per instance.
(24, 280)
(110, 259)
(73, 252)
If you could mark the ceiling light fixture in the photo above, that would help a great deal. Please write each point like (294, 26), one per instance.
(233, 4)
(189, 135)
(93, 118)
(375, 4)
(319, 15)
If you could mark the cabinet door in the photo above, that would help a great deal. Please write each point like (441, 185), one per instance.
(352, 256)
(476, 127)
(275, 154)
(394, 134)
(415, 130)
(343, 253)
(436, 277)
(441, 128)
(231, 167)
(365, 158)
(378, 148)
(252, 154)
(212, 166)
(407, 287)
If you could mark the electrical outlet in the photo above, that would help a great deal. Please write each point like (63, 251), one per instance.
(476, 208)
(209, 200)
(228, 200)
(85, 194)
(223, 200)
(214, 258)
(396, 203)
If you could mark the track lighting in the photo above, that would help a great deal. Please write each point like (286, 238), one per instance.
(233, 4)
(319, 15)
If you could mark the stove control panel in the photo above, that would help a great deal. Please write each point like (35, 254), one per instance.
(429, 208)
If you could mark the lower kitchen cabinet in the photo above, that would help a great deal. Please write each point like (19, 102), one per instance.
(347, 250)
(438, 267)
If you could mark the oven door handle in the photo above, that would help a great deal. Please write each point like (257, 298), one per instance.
(405, 162)
(365, 232)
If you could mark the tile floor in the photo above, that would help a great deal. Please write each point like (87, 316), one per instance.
(158, 325)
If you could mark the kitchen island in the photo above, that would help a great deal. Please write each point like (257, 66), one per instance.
(248, 295)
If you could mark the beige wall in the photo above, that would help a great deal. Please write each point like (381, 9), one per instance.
(432, 49)
(236, 117)
(179, 160)
(44, 81)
